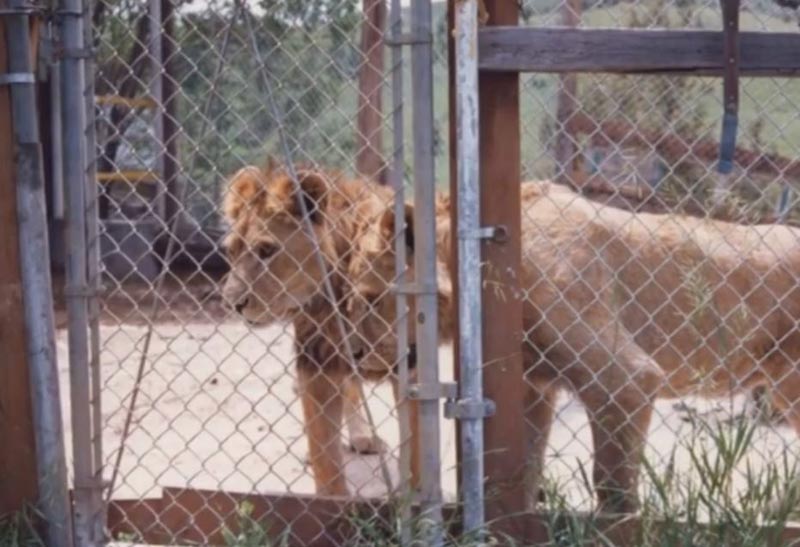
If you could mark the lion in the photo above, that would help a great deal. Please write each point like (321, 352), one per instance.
(276, 275)
(620, 308)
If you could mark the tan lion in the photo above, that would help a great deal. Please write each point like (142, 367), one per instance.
(621, 308)
(275, 275)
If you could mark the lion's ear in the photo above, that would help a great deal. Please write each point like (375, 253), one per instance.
(245, 189)
(313, 193)
(387, 225)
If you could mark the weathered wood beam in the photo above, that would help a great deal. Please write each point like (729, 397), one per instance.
(631, 51)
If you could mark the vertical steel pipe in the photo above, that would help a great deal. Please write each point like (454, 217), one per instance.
(425, 265)
(37, 286)
(469, 262)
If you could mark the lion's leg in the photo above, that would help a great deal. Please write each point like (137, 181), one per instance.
(619, 432)
(321, 395)
(619, 398)
(363, 440)
(781, 367)
(413, 419)
(539, 413)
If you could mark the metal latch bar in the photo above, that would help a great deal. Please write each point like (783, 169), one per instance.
(75, 53)
(430, 392)
(17, 78)
(31, 9)
(497, 233)
(469, 409)
(64, 12)
(414, 288)
(92, 484)
(85, 291)
(407, 39)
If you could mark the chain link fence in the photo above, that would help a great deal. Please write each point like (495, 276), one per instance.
(610, 295)
(227, 365)
(240, 297)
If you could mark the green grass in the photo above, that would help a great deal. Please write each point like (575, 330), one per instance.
(18, 530)
(701, 506)
(720, 499)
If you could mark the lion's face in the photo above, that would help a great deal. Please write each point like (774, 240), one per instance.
(372, 304)
(274, 270)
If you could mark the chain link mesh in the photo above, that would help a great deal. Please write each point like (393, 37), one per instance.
(666, 289)
(219, 403)
(196, 395)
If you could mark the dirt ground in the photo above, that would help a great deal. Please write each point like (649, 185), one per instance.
(217, 408)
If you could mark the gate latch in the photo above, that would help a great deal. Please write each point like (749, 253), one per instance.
(470, 409)
(454, 407)
(497, 233)
(430, 392)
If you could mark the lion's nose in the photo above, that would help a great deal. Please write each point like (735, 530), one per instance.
(240, 305)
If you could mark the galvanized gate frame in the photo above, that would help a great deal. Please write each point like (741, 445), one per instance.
(78, 141)
(82, 266)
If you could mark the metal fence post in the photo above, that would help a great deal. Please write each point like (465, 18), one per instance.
(469, 264)
(94, 280)
(425, 264)
(36, 284)
(397, 181)
(77, 291)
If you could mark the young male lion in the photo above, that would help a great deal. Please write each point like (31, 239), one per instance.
(276, 275)
(620, 308)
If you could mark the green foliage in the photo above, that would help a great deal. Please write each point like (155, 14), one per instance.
(310, 55)
(699, 506)
(250, 532)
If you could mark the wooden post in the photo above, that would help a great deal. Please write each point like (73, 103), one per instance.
(369, 124)
(18, 479)
(567, 105)
(500, 169)
(169, 115)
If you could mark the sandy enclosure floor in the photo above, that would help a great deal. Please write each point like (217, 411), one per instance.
(218, 410)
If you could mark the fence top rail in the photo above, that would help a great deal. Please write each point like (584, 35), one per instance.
(634, 51)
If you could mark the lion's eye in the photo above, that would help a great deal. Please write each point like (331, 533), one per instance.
(266, 250)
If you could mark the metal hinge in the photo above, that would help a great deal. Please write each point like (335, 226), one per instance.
(498, 233)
